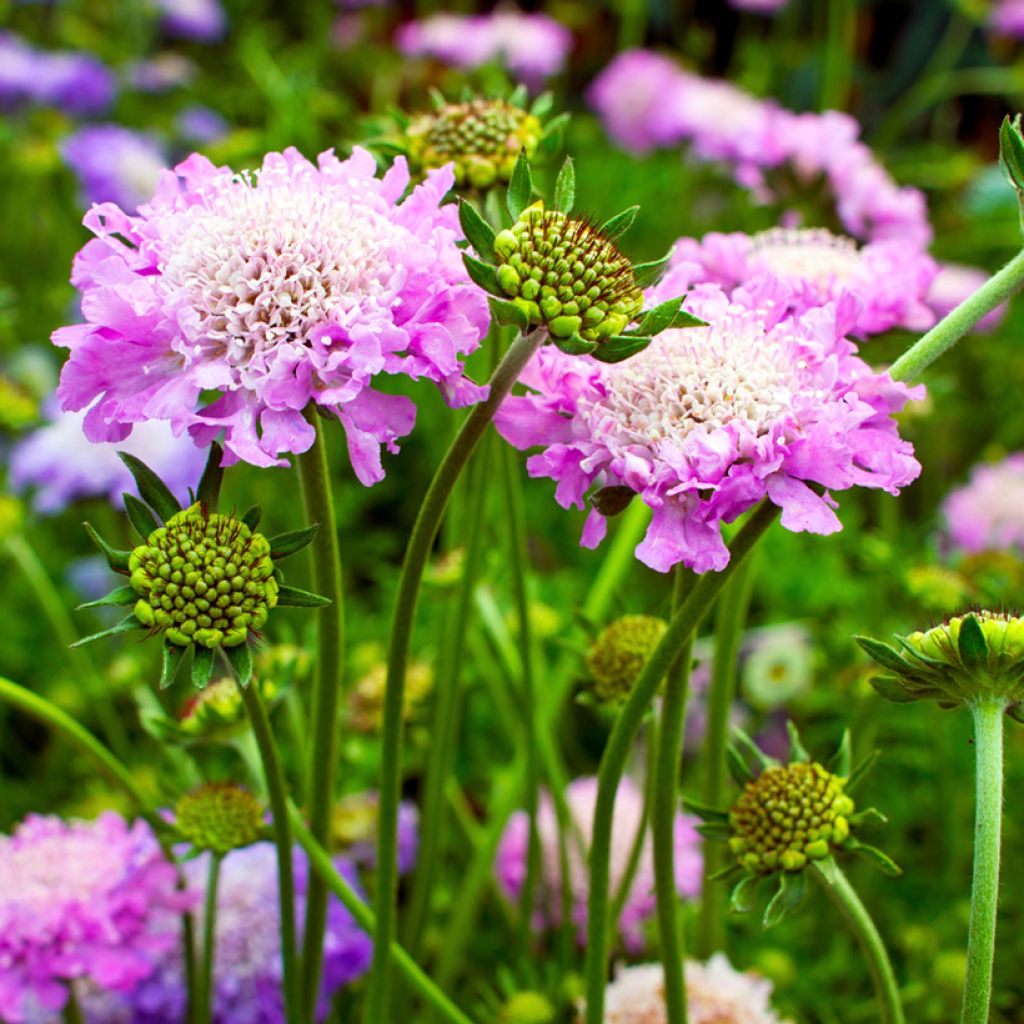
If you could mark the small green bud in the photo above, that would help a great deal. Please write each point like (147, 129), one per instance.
(620, 652)
(527, 1008)
(220, 816)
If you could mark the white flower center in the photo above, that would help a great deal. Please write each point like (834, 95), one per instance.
(814, 254)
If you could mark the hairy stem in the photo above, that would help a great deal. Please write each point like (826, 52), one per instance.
(204, 983)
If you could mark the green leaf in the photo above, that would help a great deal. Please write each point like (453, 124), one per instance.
(575, 346)
(797, 751)
(252, 517)
(565, 187)
(116, 558)
(483, 274)
(886, 656)
(543, 105)
(660, 317)
(971, 644)
(126, 625)
(285, 544)
(437, 99)
(520, 188)
(751, 750)
(740, 771)
(293, 597)
(173, 655)
(153, 491)
(553, 137)
(478, 232)
(861, 770)
(788, 899)
(202, 665)
(508, 313)
(619, 347)
(891, 689)
(840, 762)
(208, 493)
(715, 829)
(619, 224)
(241, 662)
(646, 274)
(704, 811)
(1011, 151)
(744, 895)
(143, 521)
(874, 857)
(119, 598)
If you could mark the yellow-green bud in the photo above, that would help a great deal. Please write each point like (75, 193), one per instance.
(18, 408)
(618, 655)
(217, 711)
(219, 816)
(527, 1008)
(366, 700)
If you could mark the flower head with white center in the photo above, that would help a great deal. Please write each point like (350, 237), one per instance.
(987, 513)
(707, 421)
(289, 287)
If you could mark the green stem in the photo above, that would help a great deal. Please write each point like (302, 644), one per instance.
(951, 328)
(72, 1013)
(684, 623)
(840, 39)
(417, 552)
(204, 999)
(831, 878)
(981, 938)
(320, 862)
(274, 778)
(664, 806)
(323, 752)
(730, 617)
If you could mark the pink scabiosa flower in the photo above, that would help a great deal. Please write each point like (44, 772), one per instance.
(706, 422)
(581, 796)
(80, 900)
(952, 284)
(114, 164)
(282, 289)
(987, 513)
(716, 993)
(203, 21)
(889, 279)
(1007, 17)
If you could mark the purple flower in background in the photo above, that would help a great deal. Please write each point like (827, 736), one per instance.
(81, 900)
(62, 464)
(202, 21)
(1008, 17)
(954, 283)
(581, 796)
(355, 831)
(77, 83)
(292, 285)
(199, 126)
(533, 47)
(160, 73)
(759, 6)
(987, 513)
(114, 164)
(706, 422)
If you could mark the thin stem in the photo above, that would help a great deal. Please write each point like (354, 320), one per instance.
(613, 763)
(323, 753)
(320, 862)
(831, 878)
(417, 552)
(730, 617)
(204, 1000)
(274, 778)
(951, 328)
(72, 1013)
(840, 39)
(981, 936)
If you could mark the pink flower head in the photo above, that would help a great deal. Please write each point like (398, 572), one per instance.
(888, 279)
(581, 796)
(293, 285)
(952, 284)
(84, 900)
(987, 513)
(1007, 17)
(760, 6)
(705, 422)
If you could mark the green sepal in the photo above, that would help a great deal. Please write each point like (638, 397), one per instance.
(153, 491)
(891, 689)
(740, 771)
(126, 625)
(1011, 159)
(704, 811)
(868, 818)
(252, 517)
(729, 871)
(646, 274)
(508, 313)
(118, 598)
(553, 137)
(684, 320)
(797, 751)
(565, 187)
(173, 655)
(874, 857)
(744, 894)
(1016, 712)
(293, 597)
(919, 657)
(202, 665)
(841, 761)
(886, 656)
(483, 274)
(437, 99)
(861, 770)
(240, 658)
(478, 232)
(619, 347)
(619, 224)
(715, 829)
(285, 544)
(162, 728)
(143, 521)
(399, 116)
(520, 190)
(574, 345)
(543, 105)
(208, 492)
(116, 558)
(788, 899)
(971, 644)
(751, 750)
(660, 317)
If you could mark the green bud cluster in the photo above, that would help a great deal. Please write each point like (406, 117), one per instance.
(217, 711)
(618, 655)
(482, 139)
(18, 408)
(205, 578)
(563, 274)
(788, 816)
(219, 816)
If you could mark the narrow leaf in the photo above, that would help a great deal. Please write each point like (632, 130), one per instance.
(252, 517)
(437, 98)
(646, 274)
(285, 544)
(797, 751)
(738, 768)
(704, 811)
(202, 665)
(840, 762)
(619, 224)
(971, 643)
(119, 598)
(508, 313)
(543, 105)
(875, 858)
(520, 188)
(519, 95)
(153, 491)
(478, 232)
(683, 319)
(788, 899)
(619, 347)
(143, 521)
(743, 896)
(868, 818)
(241, 661)
(213, 475)
(751, 750)
(715, 829)
(861, 770)
(553, 136)
(173, 655)
(659, 318)
(126, 625)
(483, 274)
(729, 871)
(116, 558)
(565, 187)
(293, 597)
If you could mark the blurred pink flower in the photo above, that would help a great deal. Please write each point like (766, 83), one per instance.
(987, 512)
(952, 284)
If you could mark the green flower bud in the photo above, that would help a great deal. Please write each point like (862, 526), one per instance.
(217, 713)
(12, 516)
(617, 657)
(527, 1008)
(18, 407)
(220, 816)
(366, 699)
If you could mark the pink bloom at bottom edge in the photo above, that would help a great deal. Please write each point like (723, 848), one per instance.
(706, 422)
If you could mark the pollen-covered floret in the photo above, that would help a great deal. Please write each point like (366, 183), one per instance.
(219, 816)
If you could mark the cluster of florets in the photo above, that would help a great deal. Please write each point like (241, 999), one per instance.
(788, 816)
(219, 816)
(205, 578)
(481, 139)
(619, 653)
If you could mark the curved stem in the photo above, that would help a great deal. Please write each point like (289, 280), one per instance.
(663, 812)
(951, 328)
(981, 938)
(416, 554)
(204, 999)
(831, 878)
(274, 778)
(321, 864)
(613, 763)
(730, 616)
(323, 713)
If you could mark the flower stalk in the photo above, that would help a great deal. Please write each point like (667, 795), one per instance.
(204, 999)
